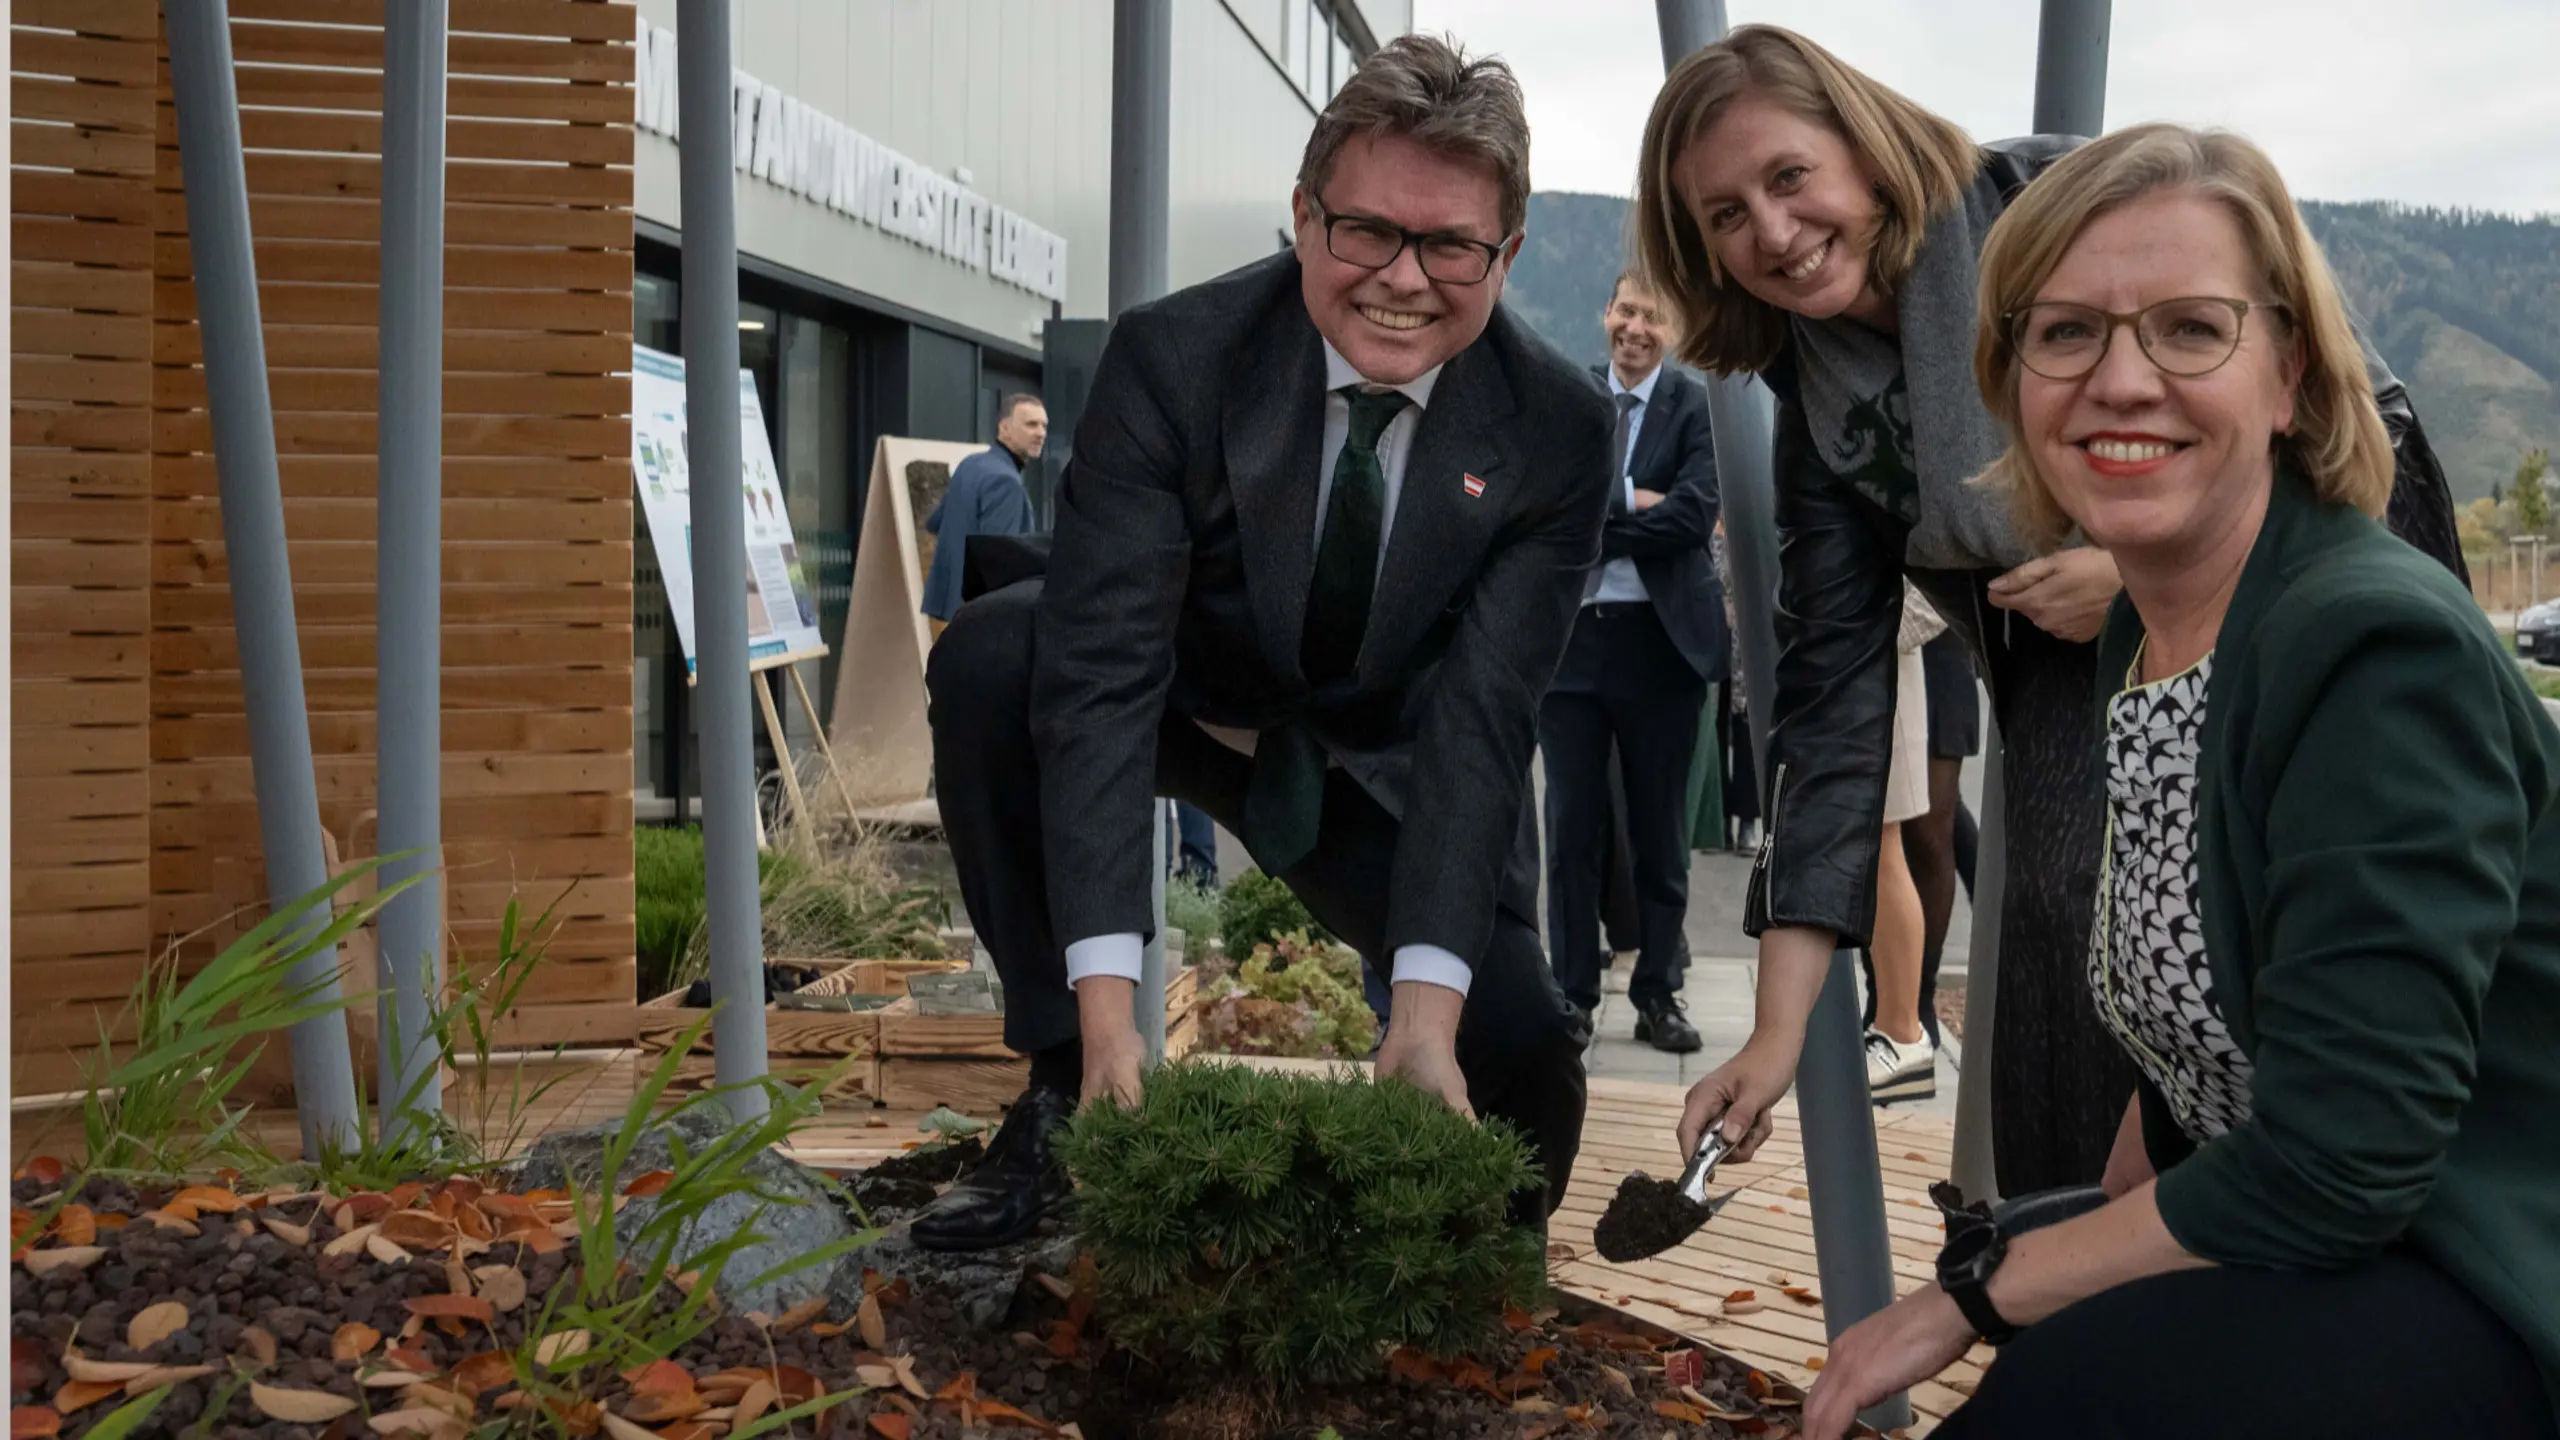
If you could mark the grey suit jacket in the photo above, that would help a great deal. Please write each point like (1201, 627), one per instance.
(1179, 574)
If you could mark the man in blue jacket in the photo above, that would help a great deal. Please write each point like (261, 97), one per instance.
(986, 498)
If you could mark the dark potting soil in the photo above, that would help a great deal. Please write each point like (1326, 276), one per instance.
(1543, 1378)
(910, 1181)
(778, 980)
(1646, 1217)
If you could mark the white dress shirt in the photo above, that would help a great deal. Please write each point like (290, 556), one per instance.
(1618, 578)
(1119, 955)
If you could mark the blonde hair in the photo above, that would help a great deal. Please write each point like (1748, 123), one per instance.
(2337, 442)
(1921, 165)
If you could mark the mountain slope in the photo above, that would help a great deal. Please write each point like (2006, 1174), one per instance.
(2463, 306)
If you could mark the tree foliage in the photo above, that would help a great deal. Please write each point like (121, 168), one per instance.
(1298, 1225)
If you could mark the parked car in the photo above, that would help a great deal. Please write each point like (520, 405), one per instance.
(2538, 633)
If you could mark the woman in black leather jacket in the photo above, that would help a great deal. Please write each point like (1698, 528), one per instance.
(1812, 226)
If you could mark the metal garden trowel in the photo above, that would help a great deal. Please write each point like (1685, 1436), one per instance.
(1649, 1216)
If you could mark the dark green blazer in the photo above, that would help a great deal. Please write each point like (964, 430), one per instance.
(2378, 882)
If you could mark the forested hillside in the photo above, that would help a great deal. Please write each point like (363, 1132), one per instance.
(2464, 306)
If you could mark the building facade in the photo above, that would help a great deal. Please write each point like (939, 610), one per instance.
(920, 189)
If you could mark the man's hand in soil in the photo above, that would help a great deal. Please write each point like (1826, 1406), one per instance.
(1113, 1053)
(1422, 1041)
(1885, 1354)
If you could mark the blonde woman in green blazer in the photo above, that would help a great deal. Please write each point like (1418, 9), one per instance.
(2328, 930)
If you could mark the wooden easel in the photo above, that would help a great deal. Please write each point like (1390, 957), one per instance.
(789, 665)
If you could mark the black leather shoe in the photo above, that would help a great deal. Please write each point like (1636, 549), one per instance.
(1664, 1028)
(1012, 1190)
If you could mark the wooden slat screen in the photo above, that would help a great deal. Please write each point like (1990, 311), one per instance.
(135, 818)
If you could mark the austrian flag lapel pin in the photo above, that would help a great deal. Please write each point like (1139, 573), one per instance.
(1474, 487)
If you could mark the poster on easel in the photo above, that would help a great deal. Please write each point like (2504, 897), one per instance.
(782, 604)
(880, 700)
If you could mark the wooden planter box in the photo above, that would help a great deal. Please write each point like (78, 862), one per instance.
(961, 1060)
(800, 1045)
(911, 1061)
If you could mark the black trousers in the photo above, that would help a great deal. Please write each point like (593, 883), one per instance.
(1622, 684)
(2059, 1080)
(2387, 1348)
(1519, 1044)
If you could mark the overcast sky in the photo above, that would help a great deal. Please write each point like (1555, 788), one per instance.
(2431, 102)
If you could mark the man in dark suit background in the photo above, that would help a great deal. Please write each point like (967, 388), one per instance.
(1316, 555)
(1649, 639)
(986, 498)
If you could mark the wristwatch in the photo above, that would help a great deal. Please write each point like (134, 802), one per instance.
(1974, 1249)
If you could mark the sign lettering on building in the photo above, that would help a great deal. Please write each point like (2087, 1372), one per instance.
(811, 154)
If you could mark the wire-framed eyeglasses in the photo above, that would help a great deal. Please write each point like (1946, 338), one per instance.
(2189, 336)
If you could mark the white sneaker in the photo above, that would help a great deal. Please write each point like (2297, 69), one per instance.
(1900, 1072)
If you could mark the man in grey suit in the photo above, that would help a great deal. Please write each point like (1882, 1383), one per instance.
(986, 498)
(1317, 552)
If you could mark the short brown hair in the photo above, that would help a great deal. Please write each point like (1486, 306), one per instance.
(2338, 440)
(1015, 401)
(1921, 163)
(1427, 89)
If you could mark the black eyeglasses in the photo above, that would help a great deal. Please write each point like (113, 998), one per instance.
(2189, 336)
(1373, 244)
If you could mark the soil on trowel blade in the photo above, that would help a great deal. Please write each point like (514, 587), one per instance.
(1648, 1217)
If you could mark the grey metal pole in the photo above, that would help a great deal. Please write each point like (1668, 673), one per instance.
(244, 449)
(1843, 1176)
(710, 320)
(1142, 270)
(2071, 67)
(408, 705)
(1141, 147)
(1151, 960)
(1975, 1171)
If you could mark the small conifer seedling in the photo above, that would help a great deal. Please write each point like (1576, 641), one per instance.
(1303, 1226)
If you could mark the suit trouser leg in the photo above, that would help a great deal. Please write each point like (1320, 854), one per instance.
(986, 778)
(1621, 914)
(1574, 739)
(1519, 1045)
(1657, 735)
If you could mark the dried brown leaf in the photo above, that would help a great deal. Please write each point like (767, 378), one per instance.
(562, 1345)
(753, 1404)
(383, 1248)
(800, 1314)
(354, 1341)
(453, 1307)
(352, 1241)
(426, 1421)
(81, 1394)
(211, 1200)
(417, 1230)
(76, 1225)
(103, 1372)
(62, 1258)
(875, 1330)
(298, 1407)
(34, 1422)
(261, 1343)
(876, 1377)
(155, 1324)
(161, 1376)
(503, 1286)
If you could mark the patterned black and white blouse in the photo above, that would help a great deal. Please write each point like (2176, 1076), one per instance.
(2146, 957)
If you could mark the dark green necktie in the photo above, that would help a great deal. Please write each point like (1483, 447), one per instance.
(1286, 801)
